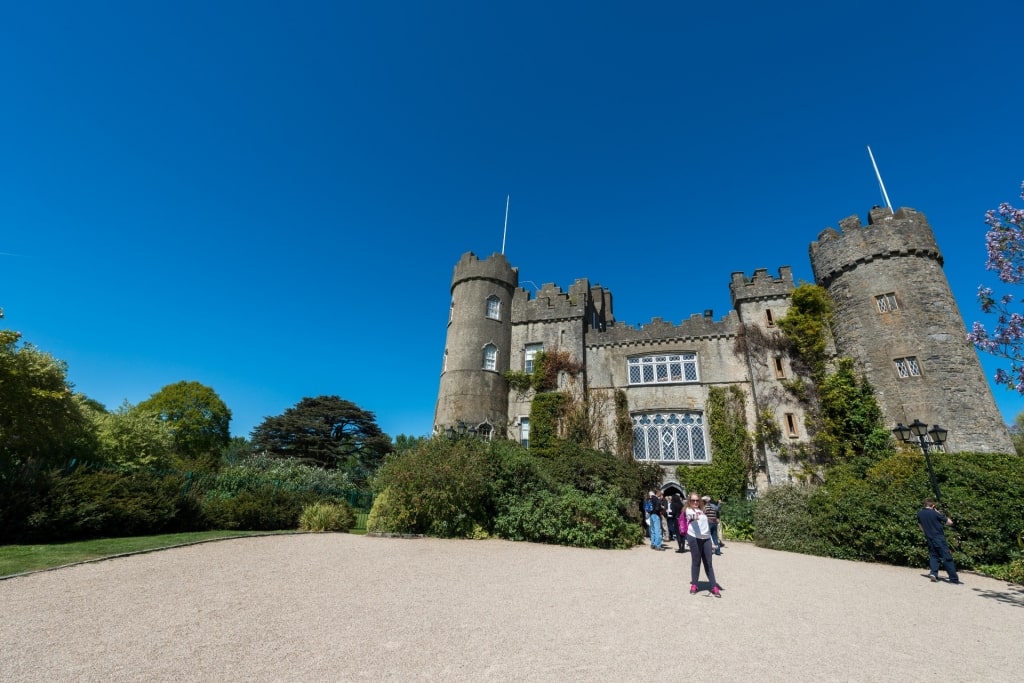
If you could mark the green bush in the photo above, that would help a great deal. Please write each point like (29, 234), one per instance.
(569, 517)
(738, 519)
(327, 516)
(268, 509)
(871, 514)
(90, 504)
(783, 520)
(441, 487)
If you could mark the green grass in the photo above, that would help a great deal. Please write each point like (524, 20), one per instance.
(15, 559)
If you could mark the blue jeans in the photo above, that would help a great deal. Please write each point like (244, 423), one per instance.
(655, 525)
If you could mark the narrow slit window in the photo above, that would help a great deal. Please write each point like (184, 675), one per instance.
(780, 370)
(791, 429)
(769, 318)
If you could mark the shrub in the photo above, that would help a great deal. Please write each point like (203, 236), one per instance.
(327, 516)
(90, 504)
(783, 520)
(268, 509)
(738, 519)
(442, 488)
(569, 517)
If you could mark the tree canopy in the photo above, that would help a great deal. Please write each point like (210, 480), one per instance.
(327, 431)
(198, 419)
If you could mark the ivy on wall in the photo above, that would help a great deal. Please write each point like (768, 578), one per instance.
(733, 464)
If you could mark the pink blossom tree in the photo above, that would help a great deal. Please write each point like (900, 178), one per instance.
(1005, 244)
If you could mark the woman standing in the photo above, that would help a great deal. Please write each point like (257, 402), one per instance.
(698, 535)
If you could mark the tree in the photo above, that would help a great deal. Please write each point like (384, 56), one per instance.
(327, 431)
(42, 423)
(133, 438)
(1004, 243)
(198, 419)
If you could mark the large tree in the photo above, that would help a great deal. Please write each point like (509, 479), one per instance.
(132, 438)
(327, 431)
(199, 420)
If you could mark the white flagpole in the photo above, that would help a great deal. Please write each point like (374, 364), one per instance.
(505, 231)
(879, 176)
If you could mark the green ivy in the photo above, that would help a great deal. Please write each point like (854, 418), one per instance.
(727, 475)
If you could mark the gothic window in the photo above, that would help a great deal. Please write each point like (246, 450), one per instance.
(886, 302)
(907, 367)
(791, 429)
(769, 319)
(490, 357)
(670, 437)
(524, 431)
(780, 370)
(485, 432)
(531, 352)
(494, 307)
(675, 367)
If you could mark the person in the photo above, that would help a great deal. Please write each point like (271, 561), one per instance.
(931, 522)
(671, 526)
(675, 505)
(664, 515)
(711, 509)
(655, 521)
(698, 535)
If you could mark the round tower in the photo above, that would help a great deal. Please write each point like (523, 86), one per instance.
(895, 315)
(473, 390)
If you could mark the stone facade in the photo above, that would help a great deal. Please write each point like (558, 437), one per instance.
(912, 347)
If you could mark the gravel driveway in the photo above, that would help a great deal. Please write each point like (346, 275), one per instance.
(338, 607)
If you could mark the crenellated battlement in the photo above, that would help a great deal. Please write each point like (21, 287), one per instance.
(496, 268)
(697, 326)
(761, 286)
(550, 303)
(887, 235)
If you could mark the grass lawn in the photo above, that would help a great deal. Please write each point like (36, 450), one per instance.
(15, 559)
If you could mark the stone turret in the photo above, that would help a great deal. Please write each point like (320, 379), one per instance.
(895, 315)
(478, 345)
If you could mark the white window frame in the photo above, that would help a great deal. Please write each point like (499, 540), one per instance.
(485, 431)
(887, 303)
(524, 431)
(490, 361)
(663, 368)
(907, 367)
(530, 352)
(493, 309)
(670, 437)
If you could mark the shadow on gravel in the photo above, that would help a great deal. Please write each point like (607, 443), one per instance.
(1013, 595)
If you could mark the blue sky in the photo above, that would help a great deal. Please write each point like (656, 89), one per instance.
(269, 198)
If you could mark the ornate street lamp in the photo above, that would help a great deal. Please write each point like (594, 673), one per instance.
(915, 434)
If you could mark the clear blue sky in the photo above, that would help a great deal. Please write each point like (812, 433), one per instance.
(269, 198)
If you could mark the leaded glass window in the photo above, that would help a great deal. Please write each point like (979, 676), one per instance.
(663, 369)
(669, 437)
(907, 367)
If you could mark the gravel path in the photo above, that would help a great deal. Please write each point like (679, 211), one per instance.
(338, 607)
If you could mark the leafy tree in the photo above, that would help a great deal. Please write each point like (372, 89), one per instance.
(133, 438)
(1004, 242)
(199, 420)
(42, 423)
(1017, 433)
(851, 419)
(327, 431)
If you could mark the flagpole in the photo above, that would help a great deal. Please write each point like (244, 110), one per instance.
(505, 231)
(879, 176)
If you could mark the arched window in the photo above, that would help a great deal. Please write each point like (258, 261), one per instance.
(494, 307)
(485, 432)
(490, 357)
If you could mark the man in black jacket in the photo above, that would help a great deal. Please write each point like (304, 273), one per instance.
(931, 522)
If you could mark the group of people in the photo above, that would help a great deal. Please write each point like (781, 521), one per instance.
(694, 525)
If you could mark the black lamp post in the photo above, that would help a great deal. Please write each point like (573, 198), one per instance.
(915, 433)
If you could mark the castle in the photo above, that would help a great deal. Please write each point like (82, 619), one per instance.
(894, 314)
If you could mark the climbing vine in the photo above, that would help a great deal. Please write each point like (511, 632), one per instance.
(733, 466)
